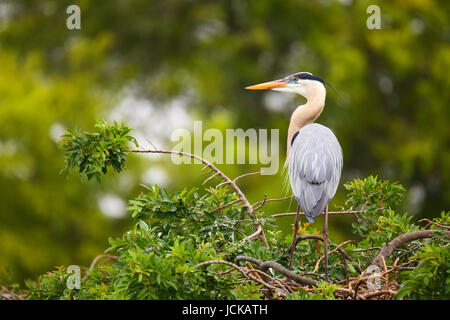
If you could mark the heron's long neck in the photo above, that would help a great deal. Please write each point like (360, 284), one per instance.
(308, 112)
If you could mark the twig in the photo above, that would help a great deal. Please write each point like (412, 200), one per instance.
(149, 141)
(209, 178)
(332, 251)
(411, 250)
(225, 206)
(189, 221)
(349, 258)
(249, 266)
(344, 264)
(220, 274)
(313, 274)
(244, 273)
(366, 249)
(406, 252)
(262, 202)
(362, 277)
(249, 259)
(245, 175)
(207, 165)
(386, 280)
(305, 237)
(379, 293)
(287, 273)
(223, 183)
(254, 235)
(6, 294)
(355, 290)
(96, 260)
(434, 223)
(285, 214)
(267, 277)
(265, 265)
(317, 237)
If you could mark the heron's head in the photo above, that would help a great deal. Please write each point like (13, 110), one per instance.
(302, 83)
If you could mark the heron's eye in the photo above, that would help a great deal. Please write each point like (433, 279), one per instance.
(296, 79)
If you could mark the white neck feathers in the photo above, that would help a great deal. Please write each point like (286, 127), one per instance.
(307, 113)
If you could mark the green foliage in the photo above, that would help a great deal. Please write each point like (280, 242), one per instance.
(159, 257)
(394, 82)
(93, 152)
(444, 219)
(324, 291)
(372, 193)
(248, 291)
(377, 199)
(431, 279)
(53, 286)
(172, 233)
(155, 261)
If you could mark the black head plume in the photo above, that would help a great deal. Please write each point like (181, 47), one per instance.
(310, 76)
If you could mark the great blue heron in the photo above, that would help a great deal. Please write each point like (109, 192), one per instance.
(314, 153)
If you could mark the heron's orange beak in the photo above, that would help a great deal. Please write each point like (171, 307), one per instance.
(267, 85)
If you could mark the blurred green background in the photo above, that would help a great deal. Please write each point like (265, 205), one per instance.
(160, 65)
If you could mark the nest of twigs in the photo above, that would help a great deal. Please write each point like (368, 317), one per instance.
(377, 282)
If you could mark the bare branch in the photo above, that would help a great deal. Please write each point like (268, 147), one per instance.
(223, 183)
(245, 273)
(367, 249)
(364, 277)
(225, 178)
(151, 143)
(332, 251)
(249, 259)
(188, 221)
(97, 259)
(392, 245)
(254, 235)
(306, 237)
(285, 214)
(434, 223)
(269, 200)
(349, 258)
(225, 206)
(379, 293)
(287, 273)
(313, 274)
(6, 294)
(246, 175)
(265, 265)
(208, 165)
(262, 203)
(209, 178)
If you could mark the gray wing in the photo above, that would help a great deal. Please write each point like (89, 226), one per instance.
(315, 165)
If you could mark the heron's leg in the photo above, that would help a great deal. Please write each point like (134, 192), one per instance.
(325, 242)
(295, 236)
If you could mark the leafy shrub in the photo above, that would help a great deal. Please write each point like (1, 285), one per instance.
(93, 152)
(431, 279)
(377, 199)
(163, 255)
(153, 261)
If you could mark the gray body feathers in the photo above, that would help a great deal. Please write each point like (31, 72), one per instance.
(315, 165)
